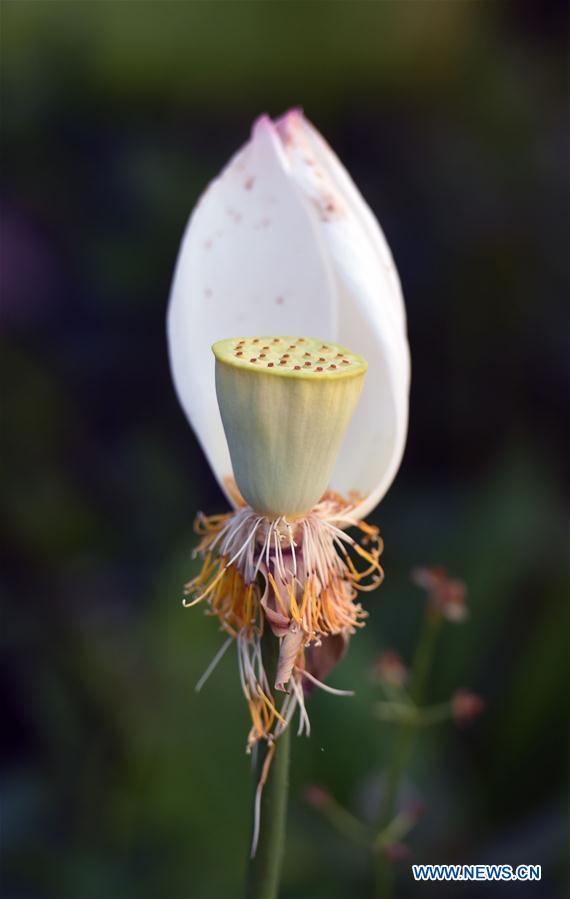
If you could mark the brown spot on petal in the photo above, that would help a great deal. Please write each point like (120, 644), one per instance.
(249, 182)
(328, 206)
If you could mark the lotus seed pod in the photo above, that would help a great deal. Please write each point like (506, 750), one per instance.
(285, 404)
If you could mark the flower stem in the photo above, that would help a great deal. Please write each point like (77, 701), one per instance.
(403, 745)
(265, 867)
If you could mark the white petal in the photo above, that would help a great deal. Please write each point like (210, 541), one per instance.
(371, 315)
(251, 262)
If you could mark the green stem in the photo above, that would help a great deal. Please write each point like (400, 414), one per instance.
(265, 867)
(403, 745)
(410, 715)
(346, 824)
(424, 655)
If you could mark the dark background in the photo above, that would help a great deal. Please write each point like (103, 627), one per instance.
(118, 780)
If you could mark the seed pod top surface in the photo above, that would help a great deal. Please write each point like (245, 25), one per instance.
(295, 357)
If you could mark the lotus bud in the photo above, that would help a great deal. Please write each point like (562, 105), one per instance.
(286, 196)
(299, 469)
(285, 404)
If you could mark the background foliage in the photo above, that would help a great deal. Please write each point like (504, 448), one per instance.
(118, 780)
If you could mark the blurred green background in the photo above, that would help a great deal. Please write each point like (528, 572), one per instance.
(118, 780)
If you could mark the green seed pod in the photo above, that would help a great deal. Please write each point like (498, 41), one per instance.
(285, 404)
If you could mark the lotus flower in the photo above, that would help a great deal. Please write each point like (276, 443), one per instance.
(282, 244)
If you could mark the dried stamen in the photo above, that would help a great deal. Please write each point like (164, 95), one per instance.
(300, 577)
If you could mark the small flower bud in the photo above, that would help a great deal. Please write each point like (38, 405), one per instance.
(466, 706)
(317, 796)
(445, 595)
(390, 668)
(396, 852)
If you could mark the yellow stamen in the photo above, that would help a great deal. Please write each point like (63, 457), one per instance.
(272, 707)
(277, 594)
(293, 604)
